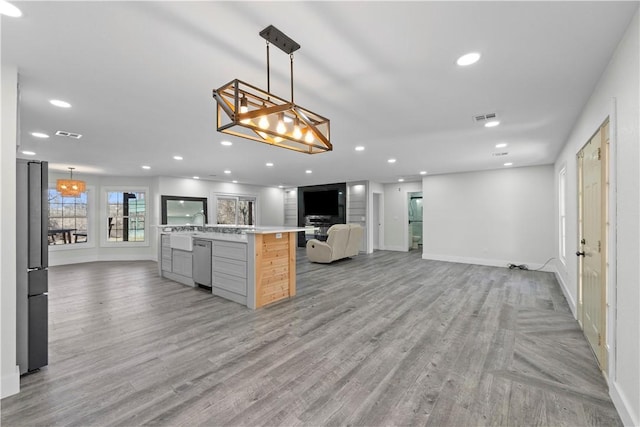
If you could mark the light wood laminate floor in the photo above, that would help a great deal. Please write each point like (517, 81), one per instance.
(377, 340)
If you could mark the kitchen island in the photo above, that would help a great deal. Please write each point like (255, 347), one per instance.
(253, 266)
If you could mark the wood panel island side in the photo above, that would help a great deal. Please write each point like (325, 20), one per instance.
(251, 266)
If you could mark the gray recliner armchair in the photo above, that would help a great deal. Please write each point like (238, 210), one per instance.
(343, 241)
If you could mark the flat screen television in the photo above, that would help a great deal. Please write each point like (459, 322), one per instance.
(321, 202)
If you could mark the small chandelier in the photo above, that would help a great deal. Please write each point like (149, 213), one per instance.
(248, 112)
(70, 187)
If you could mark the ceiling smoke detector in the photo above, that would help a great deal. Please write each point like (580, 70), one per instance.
(68, 134)
(480, 118)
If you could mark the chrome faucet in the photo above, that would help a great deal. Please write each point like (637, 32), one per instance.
(203, 218)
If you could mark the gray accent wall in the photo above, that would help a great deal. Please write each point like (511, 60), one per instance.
(357, 208)
(291, 207)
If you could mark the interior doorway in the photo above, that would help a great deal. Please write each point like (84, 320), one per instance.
(376, 220)
(415, 220)
(593, 178)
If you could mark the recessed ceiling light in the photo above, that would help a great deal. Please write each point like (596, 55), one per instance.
(400, 179)
(468, 59)
(501, 145)
(491, 124)
(508, 164)
(308, 171)
(8, 9)
(280, 186)
(146, 167)
(391, 160)
(67, 134)
(235, 181)
(29, 153)
(39, 135)
(359, 148)
(227, 171)
(60, 103)
(269, 164)
(226, 143)
(423, 172)
(196, 177)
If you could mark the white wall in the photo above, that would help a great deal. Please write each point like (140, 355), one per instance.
(93, 251)
(9, 373)
(616, 95)
(491, 217)
(396, 214)
(270, 200)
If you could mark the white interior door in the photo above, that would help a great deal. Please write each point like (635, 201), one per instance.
(592, 243)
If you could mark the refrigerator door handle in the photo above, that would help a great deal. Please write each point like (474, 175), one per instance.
(34, 213)
(44, 235)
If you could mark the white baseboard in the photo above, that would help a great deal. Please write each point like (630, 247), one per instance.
(10, 384)
(567, 295)
(485, 261)
(396, 248)
(628, 417)
(93, 258)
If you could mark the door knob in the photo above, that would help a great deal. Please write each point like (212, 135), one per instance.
(580, 253)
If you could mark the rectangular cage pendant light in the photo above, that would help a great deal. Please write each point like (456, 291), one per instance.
(248, 112)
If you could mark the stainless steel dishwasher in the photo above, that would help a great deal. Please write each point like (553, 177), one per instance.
(202, 263)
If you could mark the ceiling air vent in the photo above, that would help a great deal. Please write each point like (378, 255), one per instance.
(484, 117)
(68, 134)
(500, 154)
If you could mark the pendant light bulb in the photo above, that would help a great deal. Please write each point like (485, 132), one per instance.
(281, 128)
(297, 133)
(244, 107)
(243, 104)
(308, 137)
(264, 122)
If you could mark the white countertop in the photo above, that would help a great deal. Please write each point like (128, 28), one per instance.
(274, 229)
(231, 237)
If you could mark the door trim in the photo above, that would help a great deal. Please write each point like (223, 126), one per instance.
(604, 347)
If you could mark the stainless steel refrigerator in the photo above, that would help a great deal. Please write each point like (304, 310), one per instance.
(32, 261)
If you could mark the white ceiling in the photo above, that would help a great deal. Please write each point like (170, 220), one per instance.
(140, 74)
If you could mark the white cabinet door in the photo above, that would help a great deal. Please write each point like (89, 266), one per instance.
(165, 253)
(182, 263)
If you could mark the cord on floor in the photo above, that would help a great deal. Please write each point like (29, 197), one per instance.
(524, 266)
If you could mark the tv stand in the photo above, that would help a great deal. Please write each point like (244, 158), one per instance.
(320, 224)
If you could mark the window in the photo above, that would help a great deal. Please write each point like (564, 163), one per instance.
(178, 210)
(562, 218)
(68, 218)
(126, 216)
(236, 210)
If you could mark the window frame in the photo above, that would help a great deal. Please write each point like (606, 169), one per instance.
(91, 222)
(237, 198)
(562, 215)
(104, 206)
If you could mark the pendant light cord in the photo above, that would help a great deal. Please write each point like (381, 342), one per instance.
(268, 74)
(291, 58)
